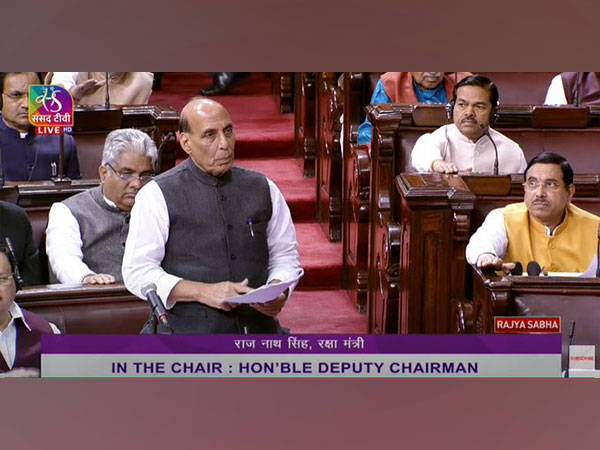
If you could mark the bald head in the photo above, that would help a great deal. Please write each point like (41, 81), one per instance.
(207, 135)
(198, 106)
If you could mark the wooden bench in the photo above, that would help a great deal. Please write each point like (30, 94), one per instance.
(573, 132)
(521, 88)
(93, 123)
(80, 309)
(329, 153)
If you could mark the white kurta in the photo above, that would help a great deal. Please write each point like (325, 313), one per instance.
(449, 144)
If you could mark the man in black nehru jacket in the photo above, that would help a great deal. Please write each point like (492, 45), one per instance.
(206, 231)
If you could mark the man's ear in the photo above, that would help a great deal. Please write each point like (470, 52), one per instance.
(184, 140)
(571, 192)
(103, 172)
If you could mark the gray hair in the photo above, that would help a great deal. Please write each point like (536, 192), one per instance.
(128, 140)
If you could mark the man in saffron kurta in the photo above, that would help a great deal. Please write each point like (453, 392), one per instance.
(545, 228)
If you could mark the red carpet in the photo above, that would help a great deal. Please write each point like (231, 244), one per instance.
(322, 312)
(321, 259)
(260, 129)
(299, 192)
(265, 144)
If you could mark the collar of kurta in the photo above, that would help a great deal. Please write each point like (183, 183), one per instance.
(455, 132)
(204, 177)
(546, 231)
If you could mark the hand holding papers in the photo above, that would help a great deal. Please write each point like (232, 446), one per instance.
(267, 292)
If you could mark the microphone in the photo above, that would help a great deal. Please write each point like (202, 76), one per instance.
(486, 132)
(156, 304)
(533, 269)
(571, 334)
(107, 98)
(518, 270)
(16, 272)
(577, 88)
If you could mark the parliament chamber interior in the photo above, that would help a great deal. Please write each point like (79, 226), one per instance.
(382, 246)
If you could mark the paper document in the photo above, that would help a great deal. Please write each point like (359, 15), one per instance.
(267, 292)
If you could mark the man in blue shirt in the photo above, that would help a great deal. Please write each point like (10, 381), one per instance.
(410, 88)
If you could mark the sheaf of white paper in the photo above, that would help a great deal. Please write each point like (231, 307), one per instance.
(267, 292)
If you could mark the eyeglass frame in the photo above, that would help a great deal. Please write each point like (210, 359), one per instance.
(549, 185)
(129, 177)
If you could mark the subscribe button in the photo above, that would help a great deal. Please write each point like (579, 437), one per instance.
(527, 324)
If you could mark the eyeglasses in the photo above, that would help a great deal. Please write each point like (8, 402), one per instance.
(5, 279)
(533, 184)
(129, 177)
(16, 95)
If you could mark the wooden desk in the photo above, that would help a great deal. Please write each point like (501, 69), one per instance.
(81, 309)
(573, 299)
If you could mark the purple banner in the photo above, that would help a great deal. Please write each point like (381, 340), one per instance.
(311, 344)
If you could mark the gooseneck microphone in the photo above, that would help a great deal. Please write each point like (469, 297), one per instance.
(107, 97)
(577, 88)
(518, 270)
(533, 269)
(156, 304)
(486, 132)
(571, 334)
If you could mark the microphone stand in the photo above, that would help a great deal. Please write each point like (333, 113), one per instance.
(571, 334)
(60, 178)
(577, 88)
(107, 98)
(486, 131)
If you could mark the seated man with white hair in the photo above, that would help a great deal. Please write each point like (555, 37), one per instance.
(86, 233)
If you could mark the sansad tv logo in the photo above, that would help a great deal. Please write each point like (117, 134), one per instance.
(50, 109)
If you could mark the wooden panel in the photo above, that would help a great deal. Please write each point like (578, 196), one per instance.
(93, 123)
(521, 87)
(329, 156)
(33, 194)
(304, 119)
(357, 91)
(283, 91)
(438, 214)
(80, 309)
(434, 215)
(573, 299)
(356, 225)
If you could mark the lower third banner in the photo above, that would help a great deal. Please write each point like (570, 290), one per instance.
(301, 356)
